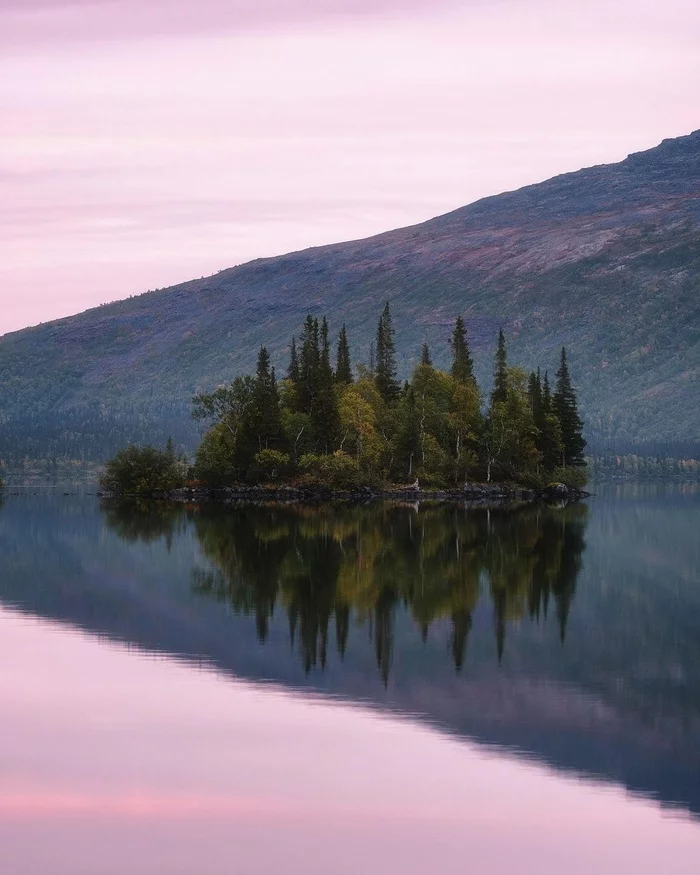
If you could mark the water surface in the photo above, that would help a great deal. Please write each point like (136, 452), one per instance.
(343, 689)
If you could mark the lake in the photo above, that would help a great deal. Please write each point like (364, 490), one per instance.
(350, 689)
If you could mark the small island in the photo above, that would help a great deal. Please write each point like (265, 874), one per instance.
(330, 430)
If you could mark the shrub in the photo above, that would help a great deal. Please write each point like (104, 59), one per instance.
(272, 463)
(339, 471)
(574, 478)
(142, 470)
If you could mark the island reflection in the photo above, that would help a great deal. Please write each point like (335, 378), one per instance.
(329, 567)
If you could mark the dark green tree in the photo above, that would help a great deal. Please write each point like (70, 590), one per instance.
(565, 407)
(389, 387)
(343, 370)
(462, 364)
(324, 412)
(265, 414)
(500, 372)
(425, 358)
(309, 366)
(293, 371)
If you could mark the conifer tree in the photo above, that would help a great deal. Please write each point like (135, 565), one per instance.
(309, 363)
(293, 371)
(343, 371)
(546, 395)
(425, 358)
(462, 364)
(500, 372)
(325, 416)
(566, 408)
(266, 403)
(386, 381)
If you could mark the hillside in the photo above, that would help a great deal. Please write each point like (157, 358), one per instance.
(605, 260)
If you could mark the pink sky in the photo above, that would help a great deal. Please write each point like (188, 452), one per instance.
(144, 143)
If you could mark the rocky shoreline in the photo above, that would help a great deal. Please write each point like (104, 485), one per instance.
(471, 493)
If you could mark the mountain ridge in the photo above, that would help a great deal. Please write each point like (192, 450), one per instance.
(605, 260)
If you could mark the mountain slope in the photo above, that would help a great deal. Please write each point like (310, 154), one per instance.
(605, 260)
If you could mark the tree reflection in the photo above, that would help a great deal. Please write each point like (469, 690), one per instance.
(331, 567)
(144, 521)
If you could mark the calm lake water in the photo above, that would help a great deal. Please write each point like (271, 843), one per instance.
(383, 689)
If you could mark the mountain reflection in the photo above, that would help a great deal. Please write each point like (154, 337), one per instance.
(332, 566)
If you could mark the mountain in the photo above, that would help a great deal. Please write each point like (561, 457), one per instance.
(605, 260)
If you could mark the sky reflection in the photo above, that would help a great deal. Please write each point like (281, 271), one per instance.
(152, 765)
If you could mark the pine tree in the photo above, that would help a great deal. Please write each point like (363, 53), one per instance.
(500, 372)
(462, 364)
(343, 370)
(534, 394)
(425, 358)
(293, 371)
(546, 395)
(266, 403)
(386, 381)
(566, 408)
(309, 364)
(325, 416)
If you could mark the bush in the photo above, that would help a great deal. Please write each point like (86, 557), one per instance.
(272, 463)
(574, 478)
(339, 471)
(142, 470)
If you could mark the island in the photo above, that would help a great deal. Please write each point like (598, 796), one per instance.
(328, 429)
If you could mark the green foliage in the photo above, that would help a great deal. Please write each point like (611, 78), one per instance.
(462, 363)
(272, 463)
(143, 470)
(338, 471)
(345, 432)
(565, 406)
(343, 370)
(573, 477)
(388, 385)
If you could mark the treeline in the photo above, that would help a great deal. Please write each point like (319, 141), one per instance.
(330, 571)
(631, 465)
(330, 422)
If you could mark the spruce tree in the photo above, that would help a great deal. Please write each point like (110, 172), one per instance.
(293, 371)
(500, 372)
(324, 412)
(566, 408)
(343, 370)
(266, 404)
(425, 358)
(462, 364)
(309, 365)
(385, 378)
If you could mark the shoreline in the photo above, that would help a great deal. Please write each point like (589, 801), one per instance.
(476, 494)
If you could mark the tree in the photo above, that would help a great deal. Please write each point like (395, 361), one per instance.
(293, 371)
(566, 408)
(326, 421)
(142, 470)
(462, 364)
(407, 442)
(425, 358)
(343, 370)
(266, 403)
(389, 387)
(500, 375)
(509, 436)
